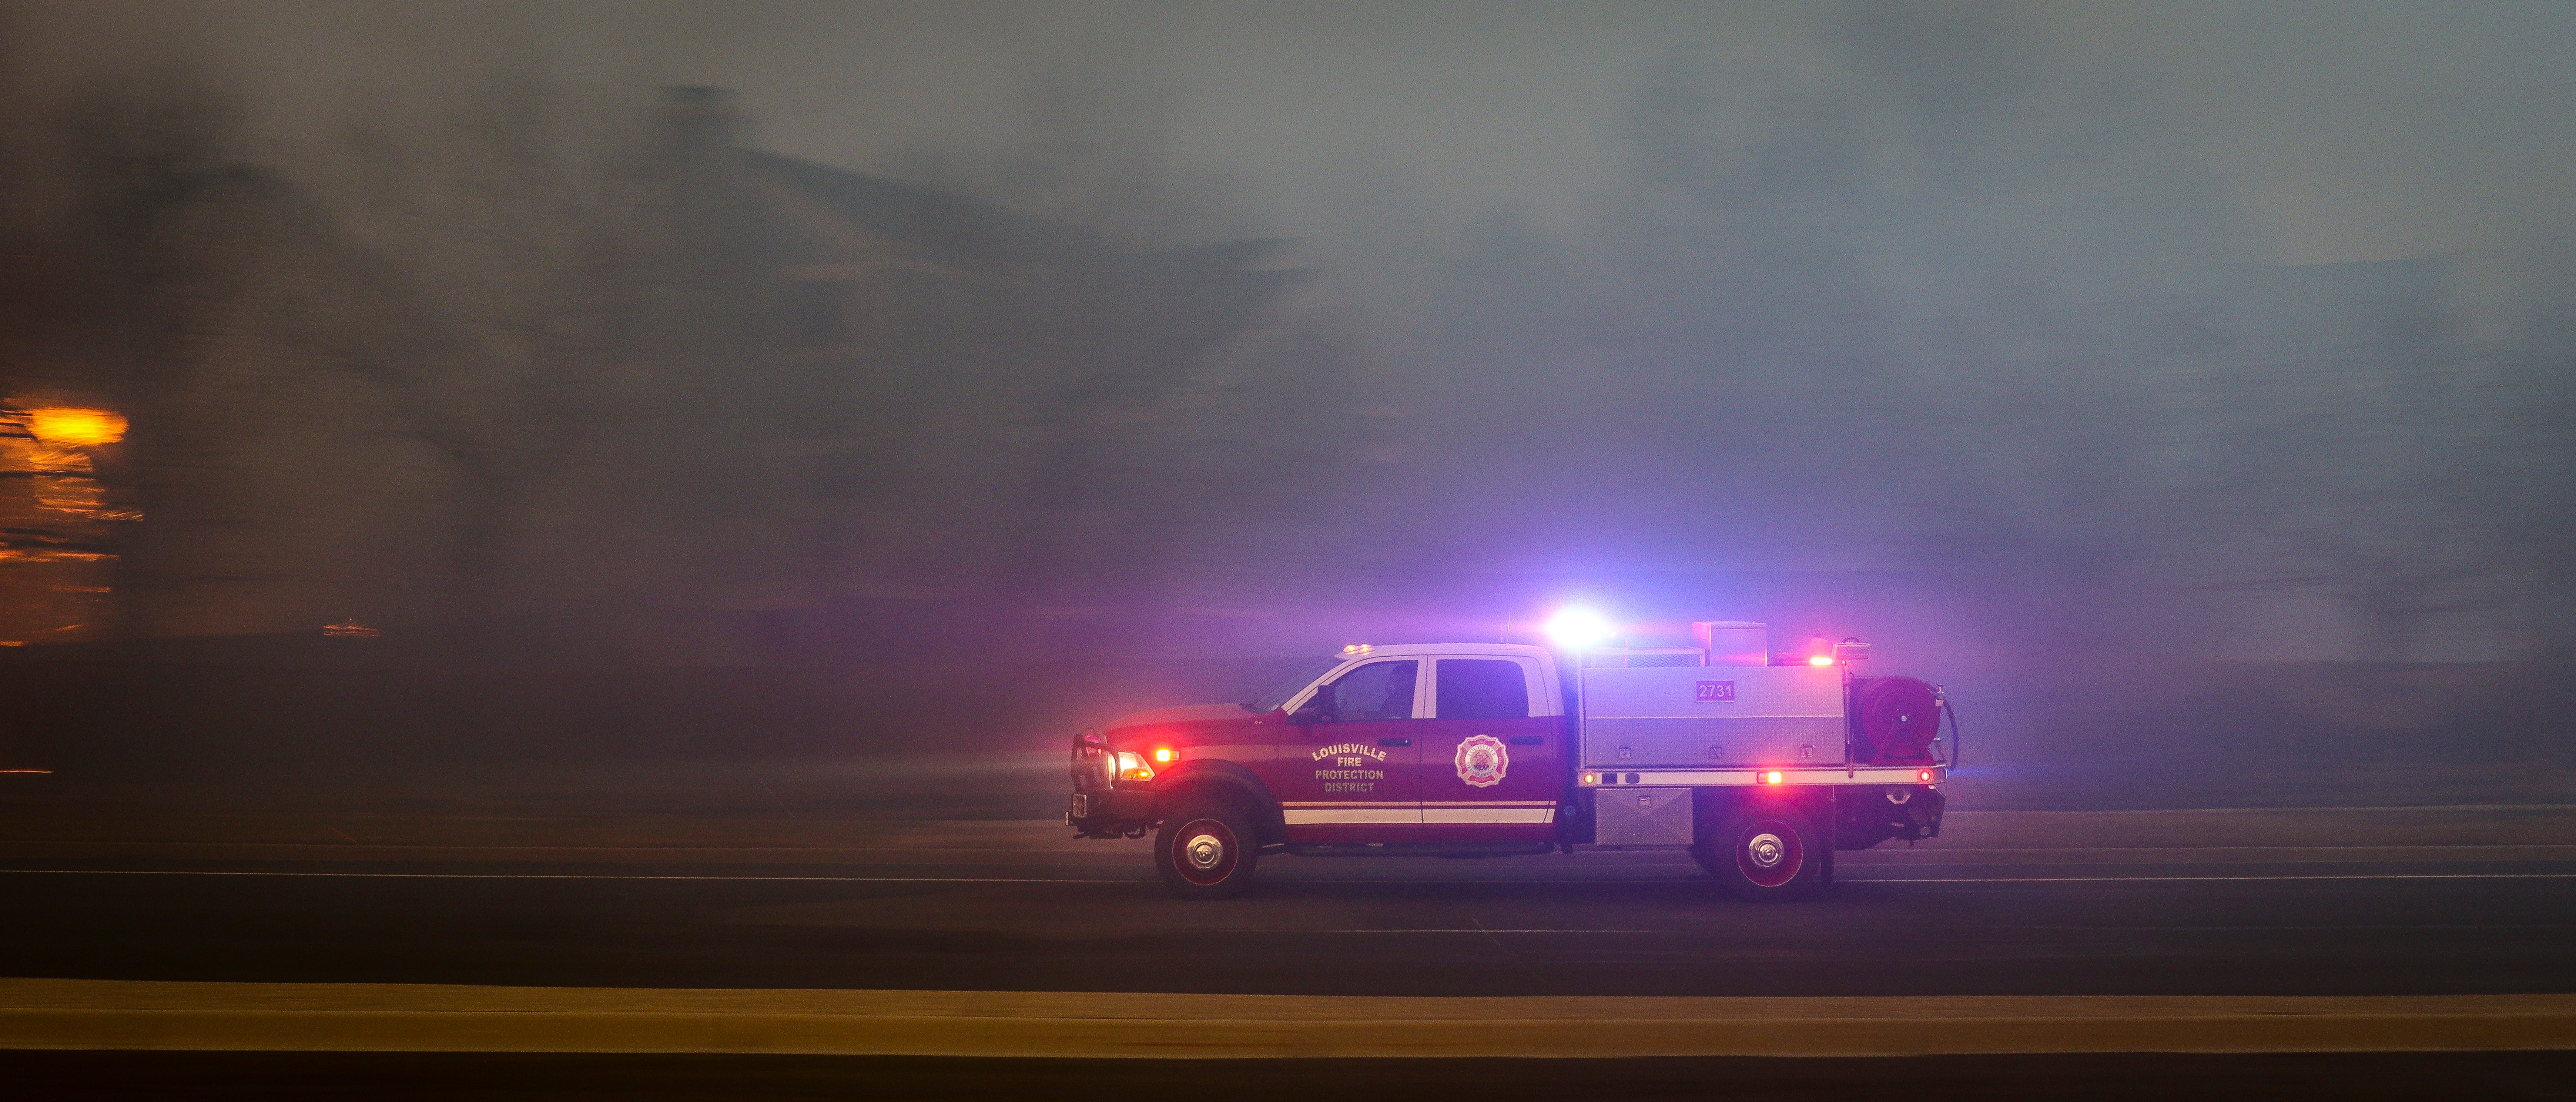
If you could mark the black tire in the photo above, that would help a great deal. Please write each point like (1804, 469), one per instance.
(1207, 849)
(1765, 852)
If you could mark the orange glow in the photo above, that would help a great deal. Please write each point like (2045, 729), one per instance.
(13, 555)
(77, 428)
(1771, 776)
(1821, 660)
(350, 629)
(26, 770)
(1164, 753)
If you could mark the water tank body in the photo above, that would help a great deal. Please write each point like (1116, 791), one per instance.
(1710, 717)
(1733, 642)
(1643, 657)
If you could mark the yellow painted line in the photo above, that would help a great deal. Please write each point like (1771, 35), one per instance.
(1534, 881)
(746, 877)
(109, 1014)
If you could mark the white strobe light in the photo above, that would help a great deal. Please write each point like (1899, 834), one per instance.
(1578, 628)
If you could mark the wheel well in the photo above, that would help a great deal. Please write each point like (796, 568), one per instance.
(1815, 803)
(1246, 793)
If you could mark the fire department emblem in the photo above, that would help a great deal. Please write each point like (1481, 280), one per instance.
(1482, 761)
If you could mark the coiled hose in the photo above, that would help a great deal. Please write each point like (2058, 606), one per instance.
(1952, 711)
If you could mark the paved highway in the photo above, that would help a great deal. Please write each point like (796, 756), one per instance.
(1015, 906)
(2113, 1077)
(2422, 902)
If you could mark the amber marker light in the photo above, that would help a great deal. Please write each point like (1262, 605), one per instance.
(1132, 767)
(1165, 753)
(1770, 776)
(1923, 775)
(1821, 660)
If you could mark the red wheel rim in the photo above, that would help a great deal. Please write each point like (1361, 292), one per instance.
(1767, 853)
(1204, 852)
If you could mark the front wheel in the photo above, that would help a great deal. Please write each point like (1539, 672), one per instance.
(1764, 854)
(1205, 850)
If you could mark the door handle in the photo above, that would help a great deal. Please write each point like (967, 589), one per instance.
(1395, 742)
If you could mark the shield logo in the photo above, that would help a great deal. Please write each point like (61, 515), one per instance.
(1482, 760)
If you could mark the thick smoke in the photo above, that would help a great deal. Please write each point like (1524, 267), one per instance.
(1895, 298)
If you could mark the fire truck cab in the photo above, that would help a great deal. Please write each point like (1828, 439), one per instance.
(1760, 765)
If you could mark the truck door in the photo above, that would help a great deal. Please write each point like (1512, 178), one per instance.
(1349, 775)
(1490, 770)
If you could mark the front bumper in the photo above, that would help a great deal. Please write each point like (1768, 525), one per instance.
(1114, 813)
(1099, 808)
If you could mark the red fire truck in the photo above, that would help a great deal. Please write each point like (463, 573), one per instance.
(1760, 764)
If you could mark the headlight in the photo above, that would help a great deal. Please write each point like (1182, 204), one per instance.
(1132, 767)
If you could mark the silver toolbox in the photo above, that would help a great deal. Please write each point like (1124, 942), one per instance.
(1641, 816)
(1703, 717)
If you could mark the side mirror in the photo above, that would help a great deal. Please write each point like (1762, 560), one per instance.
(1314, 710)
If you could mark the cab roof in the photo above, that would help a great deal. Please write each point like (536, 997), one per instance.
(1399, 650)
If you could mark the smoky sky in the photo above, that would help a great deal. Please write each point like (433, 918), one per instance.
(2339, 131)
(1978, 289)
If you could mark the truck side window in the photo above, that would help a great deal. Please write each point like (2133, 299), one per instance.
(1379, 690)
(1482, 688)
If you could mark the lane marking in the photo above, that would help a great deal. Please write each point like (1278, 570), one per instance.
(478, 847)
(2198, 879)
(565, 876)
(1978, 851)
(1534, 882)
(2252, 810)
(112, 1014)
(1893, 856)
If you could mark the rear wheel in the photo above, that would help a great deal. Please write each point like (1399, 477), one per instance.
(1205, 850)
(1766, 854)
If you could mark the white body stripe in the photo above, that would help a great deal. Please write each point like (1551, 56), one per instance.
(1368, 816)
(1489, 814)
(1380, 816)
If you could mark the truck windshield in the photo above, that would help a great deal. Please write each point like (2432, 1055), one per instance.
(1270, 701)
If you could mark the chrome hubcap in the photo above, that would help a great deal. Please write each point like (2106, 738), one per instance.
(1205, 851)
(1765, 849)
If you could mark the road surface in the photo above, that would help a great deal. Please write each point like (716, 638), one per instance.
(2474, 902)
(1016, 906)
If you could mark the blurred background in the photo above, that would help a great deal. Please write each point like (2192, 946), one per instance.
(492, 387)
